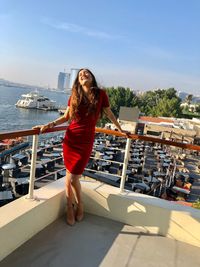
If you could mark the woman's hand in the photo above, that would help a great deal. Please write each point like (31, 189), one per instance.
(112, 118)
(44, 127)
(127, 133)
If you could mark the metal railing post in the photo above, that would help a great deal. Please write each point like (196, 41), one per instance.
(126, 157)
(56, 176)
(33, 167)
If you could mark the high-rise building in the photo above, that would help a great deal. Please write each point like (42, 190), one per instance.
(73, 75)
(66, 80)
(63, 81)
(68, 75)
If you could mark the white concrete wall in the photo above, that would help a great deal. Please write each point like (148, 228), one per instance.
(22, 219)
(150, 213)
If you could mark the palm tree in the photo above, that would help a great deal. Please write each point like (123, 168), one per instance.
(188, 99)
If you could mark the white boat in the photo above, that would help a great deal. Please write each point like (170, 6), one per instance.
(34, 100)
(62, 111)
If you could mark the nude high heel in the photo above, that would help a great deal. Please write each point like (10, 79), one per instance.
(79, 212)
(70, 215)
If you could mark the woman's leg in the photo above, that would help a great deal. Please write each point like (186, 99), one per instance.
(73, 190)
(76, 185)
(70, 199)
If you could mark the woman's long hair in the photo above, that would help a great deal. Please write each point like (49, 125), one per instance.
(78, 97)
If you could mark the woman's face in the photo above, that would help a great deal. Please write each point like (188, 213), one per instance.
(85, 77)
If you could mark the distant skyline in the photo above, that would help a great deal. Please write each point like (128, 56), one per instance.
(139, 44)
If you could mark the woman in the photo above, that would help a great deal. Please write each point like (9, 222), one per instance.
(86, 103)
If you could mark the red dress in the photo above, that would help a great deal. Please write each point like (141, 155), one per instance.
(79, 137)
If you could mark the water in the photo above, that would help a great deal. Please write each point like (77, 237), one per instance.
(12, 118)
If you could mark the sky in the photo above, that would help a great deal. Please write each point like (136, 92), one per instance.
(144, 45)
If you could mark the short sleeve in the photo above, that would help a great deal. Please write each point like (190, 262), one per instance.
(68, 104)
(105, 100)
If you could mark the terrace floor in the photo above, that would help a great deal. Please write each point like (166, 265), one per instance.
(97, 241)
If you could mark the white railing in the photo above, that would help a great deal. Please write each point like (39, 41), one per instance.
(34, 158)
(35, 134)
(126, 158)
(33, 165)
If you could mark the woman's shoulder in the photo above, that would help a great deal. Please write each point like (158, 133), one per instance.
(104, 97)
(102, 90)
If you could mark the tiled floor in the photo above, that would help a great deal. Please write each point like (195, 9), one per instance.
(97, 241)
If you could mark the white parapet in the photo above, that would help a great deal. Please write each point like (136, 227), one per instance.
(22, 219)
(152, 214)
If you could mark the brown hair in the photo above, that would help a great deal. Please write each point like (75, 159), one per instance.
(78, 96)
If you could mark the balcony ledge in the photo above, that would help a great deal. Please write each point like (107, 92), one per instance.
(22, 219)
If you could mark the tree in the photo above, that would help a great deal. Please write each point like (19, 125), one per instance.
(167, 108)
(188, 99)
(121, 96)
(160, 102)
(118, 97)
(198, 108)
(147, 101)
(170, 93)
(151, 102)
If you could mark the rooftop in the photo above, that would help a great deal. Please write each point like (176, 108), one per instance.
(98, 241)
(155, 119)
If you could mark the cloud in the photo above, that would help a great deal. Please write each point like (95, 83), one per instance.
(74, 28)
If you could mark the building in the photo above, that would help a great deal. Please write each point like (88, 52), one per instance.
(73, 75)
(167, 128)
(128, 119)
(68, 75)
(66, 80)
(63, 81)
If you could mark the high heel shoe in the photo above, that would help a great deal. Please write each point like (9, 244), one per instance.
(70, 215)
(79, 212)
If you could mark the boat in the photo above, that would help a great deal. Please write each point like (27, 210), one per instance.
(61, 111)
(34, 100)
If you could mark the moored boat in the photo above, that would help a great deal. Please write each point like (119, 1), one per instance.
(34, 100)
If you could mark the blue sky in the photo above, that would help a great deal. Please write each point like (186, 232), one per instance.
(142, 44)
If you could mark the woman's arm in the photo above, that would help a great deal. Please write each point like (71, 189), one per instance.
(52, 124)
(61, 119)
(112, 118)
